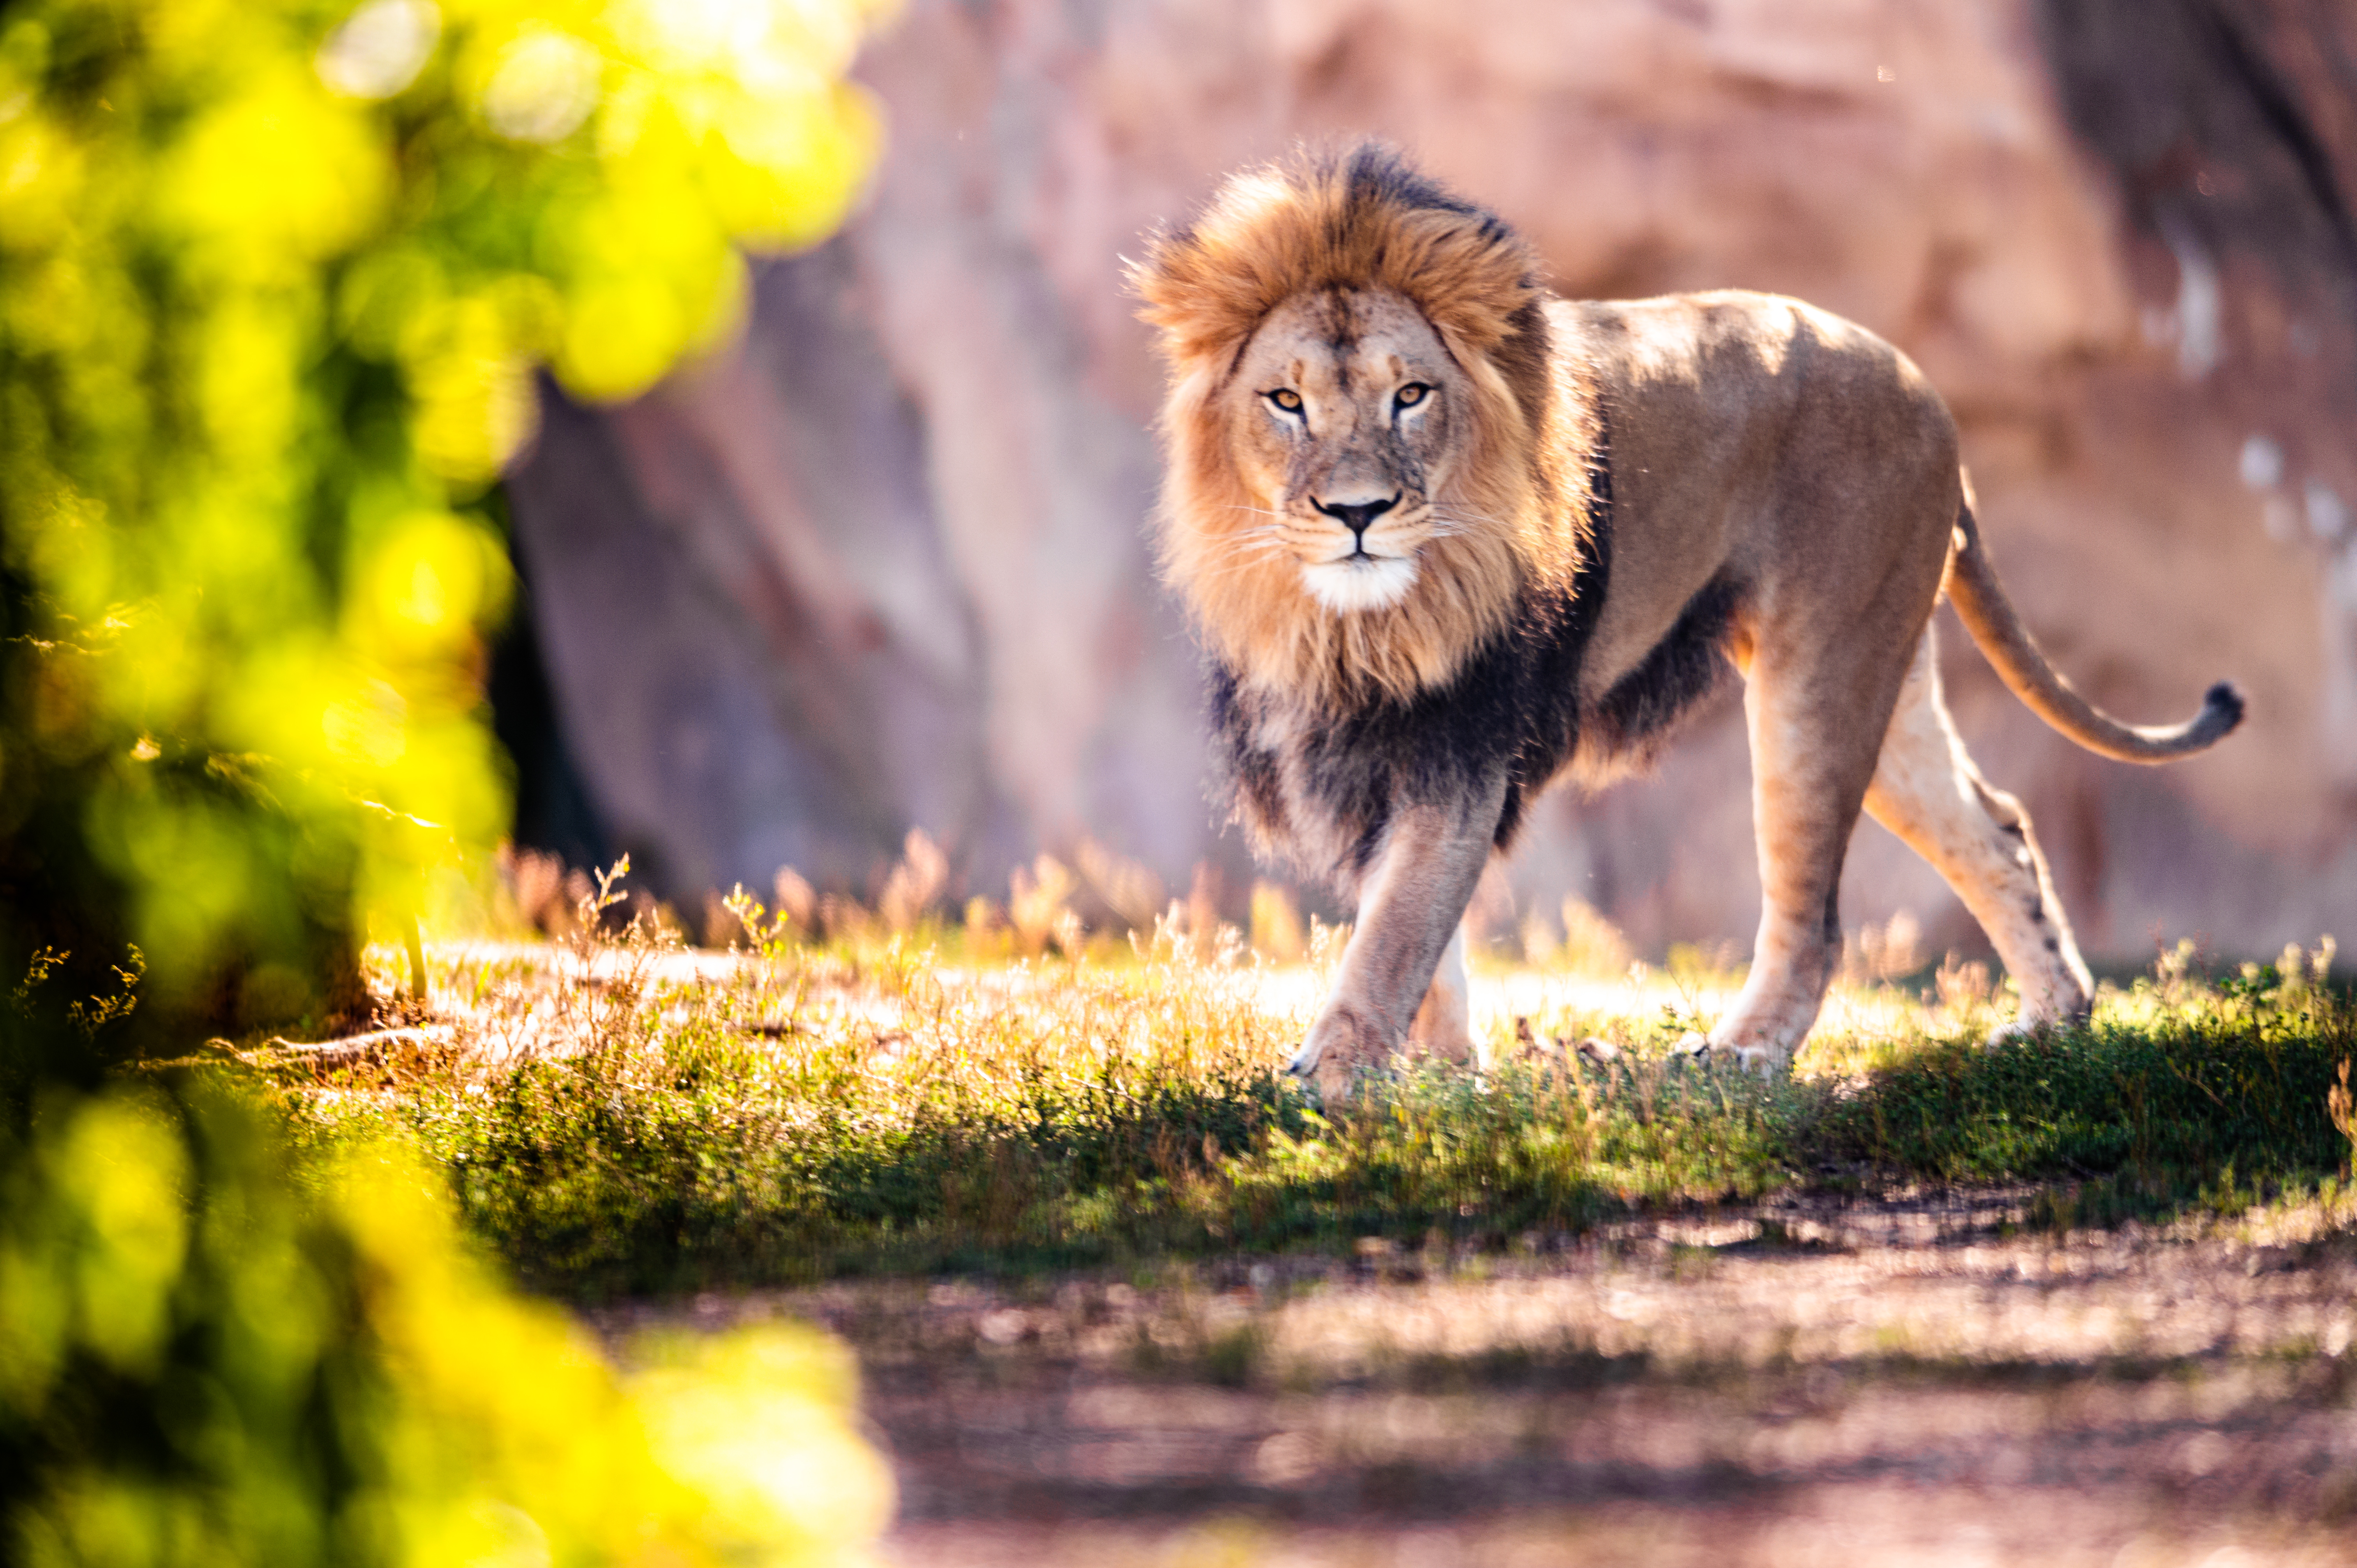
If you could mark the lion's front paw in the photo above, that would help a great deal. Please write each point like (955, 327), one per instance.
(1764, 1059)
(1338, 1052)
(2033, 1022)
(2016, 1030)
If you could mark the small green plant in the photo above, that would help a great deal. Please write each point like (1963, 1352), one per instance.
(2343, 1111)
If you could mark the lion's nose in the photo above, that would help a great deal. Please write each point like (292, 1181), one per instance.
(1357, 516)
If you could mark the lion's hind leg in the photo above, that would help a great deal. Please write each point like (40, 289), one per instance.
(1927, 792)
(1801, 699)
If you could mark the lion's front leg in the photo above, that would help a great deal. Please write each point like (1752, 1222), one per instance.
(1443, 1028)
(1409, 907)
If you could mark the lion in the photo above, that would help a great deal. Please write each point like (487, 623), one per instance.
(1447, 539)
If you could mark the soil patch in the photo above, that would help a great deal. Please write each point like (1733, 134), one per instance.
(1911, 1380)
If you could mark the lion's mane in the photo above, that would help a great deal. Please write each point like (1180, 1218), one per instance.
(1362, 220)
(1326, 722)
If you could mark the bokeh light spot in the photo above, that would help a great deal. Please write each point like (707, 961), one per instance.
(543, 87)
(379, 48)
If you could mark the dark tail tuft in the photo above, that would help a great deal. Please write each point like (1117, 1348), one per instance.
(2224, 706)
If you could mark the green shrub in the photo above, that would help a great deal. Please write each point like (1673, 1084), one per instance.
(208, 1358)
(276, 277)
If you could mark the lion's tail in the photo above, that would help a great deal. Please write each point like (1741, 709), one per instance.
(1972, 586)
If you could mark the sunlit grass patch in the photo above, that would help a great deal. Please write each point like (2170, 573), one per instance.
(620, 1114)
(2180, 1087)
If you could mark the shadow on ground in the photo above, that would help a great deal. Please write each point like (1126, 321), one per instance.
(1914, 1380)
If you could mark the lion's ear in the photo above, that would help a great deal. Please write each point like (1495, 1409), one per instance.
(1364, 220)
(1207, 286)
(1196, 317)
(1471, 279)
(1199, 313)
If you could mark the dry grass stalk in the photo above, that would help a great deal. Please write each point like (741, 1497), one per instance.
(1131, 891)
(1592, 945)
(1276, 933)
(1038, 907)
(915, 884)
(1879, 955)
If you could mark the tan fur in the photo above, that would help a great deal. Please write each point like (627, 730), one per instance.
(1790, 457)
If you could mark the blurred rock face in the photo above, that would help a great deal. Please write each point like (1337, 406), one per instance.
(885, 563)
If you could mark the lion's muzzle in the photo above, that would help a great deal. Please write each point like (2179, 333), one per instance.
(1357, 516)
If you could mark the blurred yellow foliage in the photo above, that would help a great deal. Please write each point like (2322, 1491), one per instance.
(275, 278)
(333, 1378)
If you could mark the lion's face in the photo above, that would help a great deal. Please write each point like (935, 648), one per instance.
(1345, 416)
(1369, 458)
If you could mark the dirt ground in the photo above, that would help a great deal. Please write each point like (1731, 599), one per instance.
(1893, 1382)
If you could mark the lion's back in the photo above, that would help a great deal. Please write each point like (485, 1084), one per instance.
(1727, 414)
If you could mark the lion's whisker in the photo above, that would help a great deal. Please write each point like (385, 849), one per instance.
(1246, 559)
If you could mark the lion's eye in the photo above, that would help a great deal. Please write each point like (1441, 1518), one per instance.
(1411, 394)
(1287, 399)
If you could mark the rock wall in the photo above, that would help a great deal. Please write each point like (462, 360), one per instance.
(884, 564)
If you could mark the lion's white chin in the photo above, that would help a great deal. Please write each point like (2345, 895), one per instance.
(1360, 582)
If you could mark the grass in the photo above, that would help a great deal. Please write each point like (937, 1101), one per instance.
(620, 1115)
